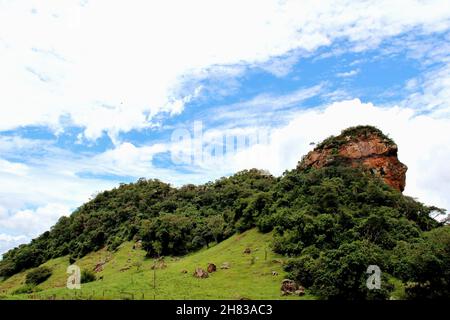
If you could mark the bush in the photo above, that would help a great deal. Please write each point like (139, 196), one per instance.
(38, 275)
(341, 273)
(26, 289)
(87, 276)
(115, 243)
(425, 265)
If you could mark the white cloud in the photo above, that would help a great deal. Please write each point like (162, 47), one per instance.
(113, 65)
(47, 184)
(13, 168)
(33, 221)
(263, 108)
(348, 74)
(23, 225)
(8, 242)
(431, 91)
(8, 238)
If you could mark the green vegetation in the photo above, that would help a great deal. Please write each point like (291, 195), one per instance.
(243, 279)
(425, 265)
(38, 275)
(149, 206)
(27, 288)
(351, 133)
(331, 222)
(87, 276)
(337, 221)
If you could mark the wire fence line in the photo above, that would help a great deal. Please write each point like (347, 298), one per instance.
(108, 295)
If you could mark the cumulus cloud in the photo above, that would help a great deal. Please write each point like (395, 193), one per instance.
(111, 66)
(33, 221)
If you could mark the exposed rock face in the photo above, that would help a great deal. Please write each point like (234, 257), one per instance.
(360, 146)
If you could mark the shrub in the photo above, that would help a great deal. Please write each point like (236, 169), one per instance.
(38, 275)
(341, 273)
(87, 276)
(425, 265)
(25, 289)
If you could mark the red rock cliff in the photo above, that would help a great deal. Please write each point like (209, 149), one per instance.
(356, 146)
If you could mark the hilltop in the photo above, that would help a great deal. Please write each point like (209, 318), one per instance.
(364, 146)
(338, 212)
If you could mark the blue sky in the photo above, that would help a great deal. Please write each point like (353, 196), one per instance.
(97, 93)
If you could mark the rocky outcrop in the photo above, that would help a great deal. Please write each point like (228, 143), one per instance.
(364, 146)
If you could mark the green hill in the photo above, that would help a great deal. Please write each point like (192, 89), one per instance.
(249, 276)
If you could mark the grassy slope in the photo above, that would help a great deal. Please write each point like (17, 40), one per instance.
(250, 275)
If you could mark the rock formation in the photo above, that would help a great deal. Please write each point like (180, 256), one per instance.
(364, 146)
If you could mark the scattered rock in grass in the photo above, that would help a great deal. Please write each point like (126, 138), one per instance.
(225, 265)
(288, 287)
(247, 251)
(184, 271)
(159, 264)
(274, 273)
(300, 292)
(125, 268)
(211, 268)
(99, 266)
(137, 245)
(200, 273)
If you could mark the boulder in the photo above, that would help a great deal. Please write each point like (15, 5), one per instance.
(99, 267)
(211, 268)
(225, 265)
(200, 273)
(289, 286)
(159, 264)
(300, 291)
(137, 245)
